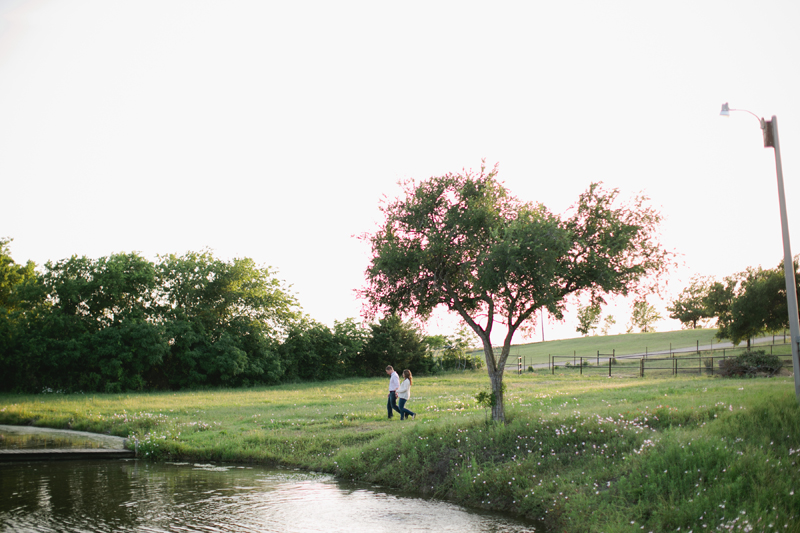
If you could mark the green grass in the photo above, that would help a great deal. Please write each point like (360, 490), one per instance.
(630, 343)
(581, 453)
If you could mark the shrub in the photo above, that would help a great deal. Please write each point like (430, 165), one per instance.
(750, 364)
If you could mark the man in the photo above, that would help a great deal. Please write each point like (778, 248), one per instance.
(394, 383)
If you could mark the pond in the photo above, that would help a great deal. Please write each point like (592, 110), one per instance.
(133, 495)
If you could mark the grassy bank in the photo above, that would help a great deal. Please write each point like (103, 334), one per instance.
(630, 343)
(583, 454)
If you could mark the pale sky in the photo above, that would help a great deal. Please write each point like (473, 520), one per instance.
(272, 130)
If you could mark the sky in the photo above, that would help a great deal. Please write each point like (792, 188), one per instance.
(273, 130)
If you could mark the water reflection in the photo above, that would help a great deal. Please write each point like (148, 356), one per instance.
(133, 495)
(42, 442)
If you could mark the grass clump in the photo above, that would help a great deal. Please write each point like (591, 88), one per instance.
(751, 363)
(578, 453)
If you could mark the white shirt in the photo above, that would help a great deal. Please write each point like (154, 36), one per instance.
(405, 390)
(394, 381)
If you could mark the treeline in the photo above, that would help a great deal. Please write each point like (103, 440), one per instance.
(742, 305)
(122, 323)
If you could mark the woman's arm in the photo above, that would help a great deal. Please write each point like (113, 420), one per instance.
(403, 386)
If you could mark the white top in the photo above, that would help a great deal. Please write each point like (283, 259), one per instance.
(405, 390)
(394, 381)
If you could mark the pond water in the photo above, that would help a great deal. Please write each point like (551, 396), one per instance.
(133, 495)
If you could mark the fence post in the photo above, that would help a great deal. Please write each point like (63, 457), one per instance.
(609, 367)
(554, 365)
(598, 357)
(699, 363)
(574, 353)
(581, 366)
(519, 366)
(698, 347)
(712, 364)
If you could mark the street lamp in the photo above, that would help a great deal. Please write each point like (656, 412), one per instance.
(770, 131)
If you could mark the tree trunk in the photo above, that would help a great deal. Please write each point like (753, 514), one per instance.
(498, 409)
(495, 369)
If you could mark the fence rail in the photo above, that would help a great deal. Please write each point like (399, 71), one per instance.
(698, 361)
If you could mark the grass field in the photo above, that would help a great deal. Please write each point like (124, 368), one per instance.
(676, 453)
(631, 343)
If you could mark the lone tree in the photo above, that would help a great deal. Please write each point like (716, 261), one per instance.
(588, 318)
(463, 242)
(691, 306)
(643, 316)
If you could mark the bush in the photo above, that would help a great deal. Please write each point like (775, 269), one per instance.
(750, 364)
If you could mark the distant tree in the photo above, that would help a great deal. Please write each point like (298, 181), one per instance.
(608, 322)
(691, 307)
(588, 318)
(758, 305)
(454, 351)
(12, 276)
(224, 321)
(463, 242)
(125, 323)
(720, 298)
(644, 316)
(397, 343)
(313, 351)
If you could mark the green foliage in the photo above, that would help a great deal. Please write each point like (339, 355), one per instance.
(745, 304)
(750, 363)
(608, 322)
(397, 343)
(691, 307)
(759, 306)
(644, 316)
(123, 323)
(12, 277)
(452, 351)
(588, 318)
(312, 351)
(462, 241)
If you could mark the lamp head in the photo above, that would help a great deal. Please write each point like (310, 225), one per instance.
(726, 111)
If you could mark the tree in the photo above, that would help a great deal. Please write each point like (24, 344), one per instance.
(397, 343)
(125, 323)
(312, 351)
(224, 321)
(588, 318)
(462, 241)
(607, 323)
(644, 316)
(758, 305)
(12, 276)
(691, 306)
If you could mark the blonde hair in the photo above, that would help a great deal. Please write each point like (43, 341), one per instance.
(407, 375)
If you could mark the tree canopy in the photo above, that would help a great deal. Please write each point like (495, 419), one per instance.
(462, 241)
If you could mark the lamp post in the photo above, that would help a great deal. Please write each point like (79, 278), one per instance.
(770, 131)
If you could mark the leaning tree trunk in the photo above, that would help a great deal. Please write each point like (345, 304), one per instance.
(498, 408)
(496, 368)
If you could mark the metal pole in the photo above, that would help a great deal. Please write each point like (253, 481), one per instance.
(788, 263)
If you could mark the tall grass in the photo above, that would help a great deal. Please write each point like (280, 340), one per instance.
(581, 454)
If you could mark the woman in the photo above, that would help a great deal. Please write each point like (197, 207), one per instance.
(404, 393)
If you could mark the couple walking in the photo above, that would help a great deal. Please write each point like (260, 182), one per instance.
(403, 390)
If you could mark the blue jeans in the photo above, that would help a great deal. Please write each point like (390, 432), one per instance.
(405, 413)
(392, 404)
